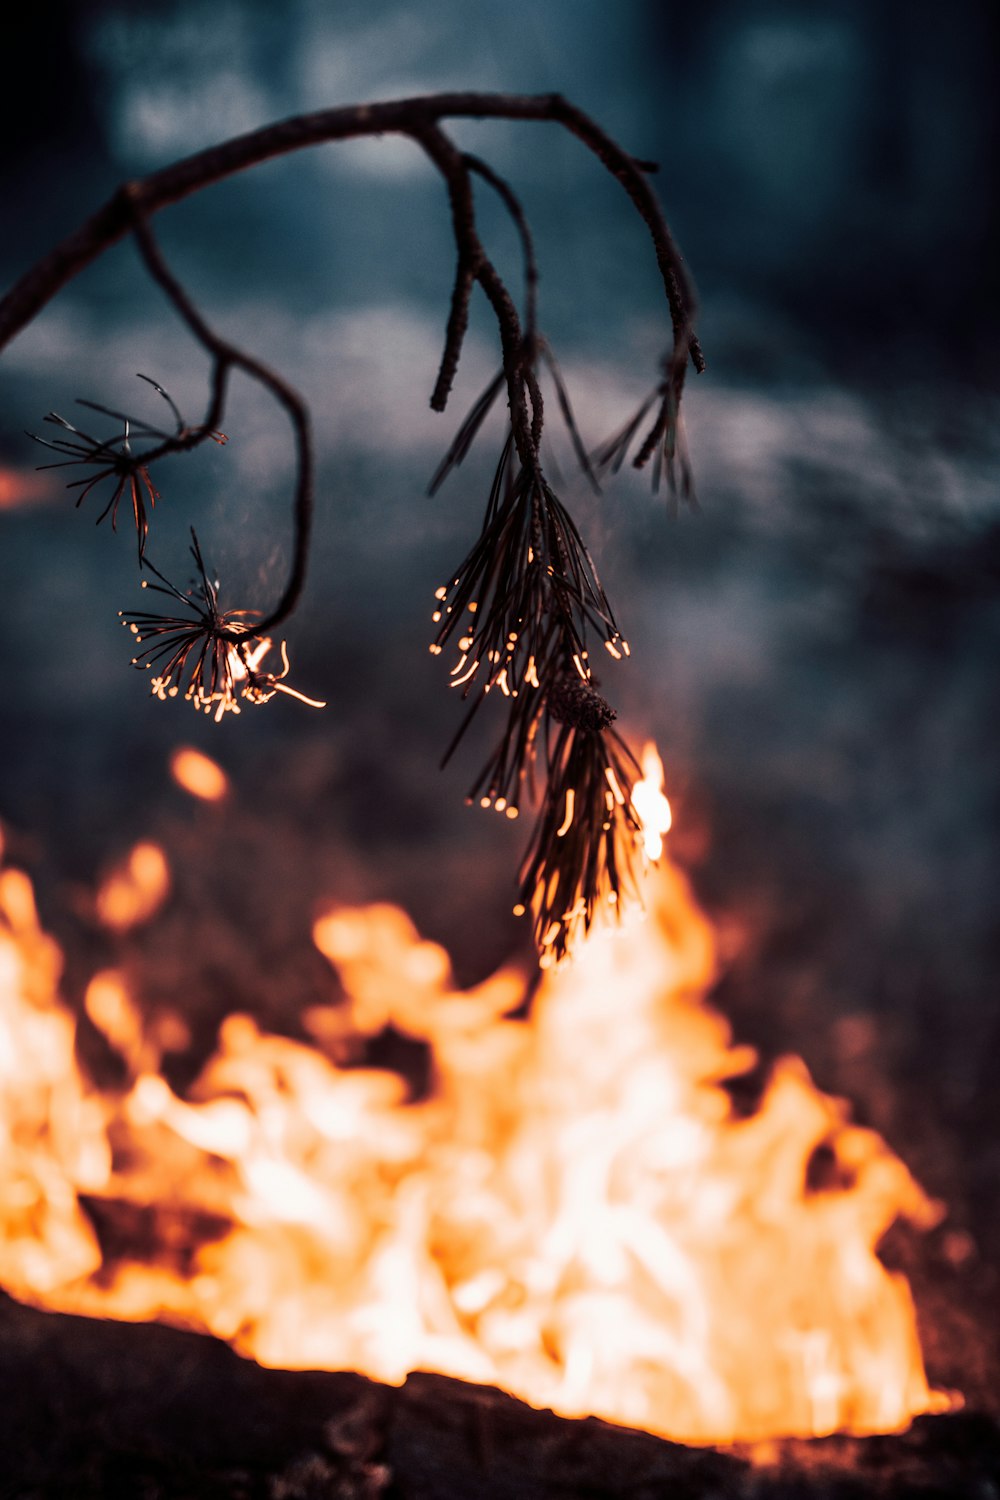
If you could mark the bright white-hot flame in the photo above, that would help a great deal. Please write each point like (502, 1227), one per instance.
(650, 803)
(573, 1211)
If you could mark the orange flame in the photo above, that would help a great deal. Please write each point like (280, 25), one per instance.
(23, 487)
(573, 1212)
(134, 892)
(198, 774)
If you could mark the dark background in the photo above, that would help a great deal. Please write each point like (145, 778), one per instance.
(816, 651)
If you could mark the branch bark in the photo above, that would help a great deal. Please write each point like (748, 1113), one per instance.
(148, 195)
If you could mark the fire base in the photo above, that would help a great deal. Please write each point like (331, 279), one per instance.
(92, 1408)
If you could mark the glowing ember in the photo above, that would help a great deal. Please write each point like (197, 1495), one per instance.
(210, 655)
(257, 683)
(109, 1005)
(136, 891)
(574, 1212)
(198, 774)
(23, 487)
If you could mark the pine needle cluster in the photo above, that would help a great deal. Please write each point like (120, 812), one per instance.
(520, 615)
(209, 657)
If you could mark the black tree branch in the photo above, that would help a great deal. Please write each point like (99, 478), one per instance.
(225, 356)
(115, 219)
(522, 603)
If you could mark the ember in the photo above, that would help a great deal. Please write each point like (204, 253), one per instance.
(198, 774)
(136, 890)
(22, 487)
(574, 1212)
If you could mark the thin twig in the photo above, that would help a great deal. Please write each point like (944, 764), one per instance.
(225, 356)
(513, 206)
(458, 322)
(453, 168)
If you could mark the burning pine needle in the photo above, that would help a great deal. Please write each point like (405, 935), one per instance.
(212, 657)
(522, 600)
(592, 823)
(523, 605)
(583, 853)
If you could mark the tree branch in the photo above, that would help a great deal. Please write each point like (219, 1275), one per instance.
(225, 356)
(452, 165)
(513, 206)
(149, 195)
(526, 600)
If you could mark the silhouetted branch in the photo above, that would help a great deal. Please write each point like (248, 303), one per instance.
(114, 220)
(527, 599)
(225, 356)
(513, 206)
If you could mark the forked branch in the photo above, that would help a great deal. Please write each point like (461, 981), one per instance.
(526, 603)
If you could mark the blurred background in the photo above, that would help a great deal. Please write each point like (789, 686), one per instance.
(817, 651)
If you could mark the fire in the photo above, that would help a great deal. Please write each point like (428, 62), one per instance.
(198, 774)
(573, 1211)
(134, 892)
(23, 487)
(651, 806)
(53, 1141)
